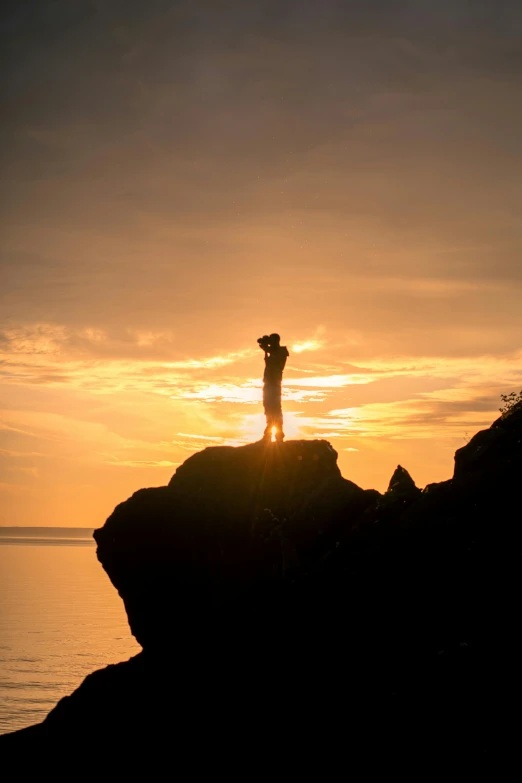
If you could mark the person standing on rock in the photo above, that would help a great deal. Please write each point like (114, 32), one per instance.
(275, 360)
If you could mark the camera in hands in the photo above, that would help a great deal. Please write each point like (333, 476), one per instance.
(264, 342)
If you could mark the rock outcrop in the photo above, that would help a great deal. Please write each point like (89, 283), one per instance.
(402, 485)
(226, 538)
(261, 583)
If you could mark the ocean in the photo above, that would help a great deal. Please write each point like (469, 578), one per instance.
(60, 619)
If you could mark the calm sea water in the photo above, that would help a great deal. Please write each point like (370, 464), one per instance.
(60, 619)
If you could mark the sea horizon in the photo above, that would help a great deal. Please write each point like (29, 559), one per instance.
(60, 619)
(46, 535)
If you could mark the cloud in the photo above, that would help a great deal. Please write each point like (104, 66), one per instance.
(214, 392)
(331, 381)
(328, 435)
(128, 463)
(415, 418)
(201, 437)
(46, 340)
(11, 453)
(182, 192)
(209, 363)
(29, 471)
(308, 345)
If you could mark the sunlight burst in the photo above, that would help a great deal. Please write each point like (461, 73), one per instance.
(253, 425)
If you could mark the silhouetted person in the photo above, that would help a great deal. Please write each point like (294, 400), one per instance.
(275, 360)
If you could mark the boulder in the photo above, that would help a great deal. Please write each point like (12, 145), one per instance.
(402, 485)
(226, 537)
(493, 457)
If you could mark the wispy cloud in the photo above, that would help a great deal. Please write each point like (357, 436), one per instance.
(308, 345)
(201, 437)
(11, 453)
(142, 463)
(92, 343)
(330, 381)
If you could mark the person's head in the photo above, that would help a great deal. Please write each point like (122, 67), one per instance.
(274, 340)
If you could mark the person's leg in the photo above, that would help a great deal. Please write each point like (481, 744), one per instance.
(267, 435)
(273, 412)
(277, 413)
(278, 423)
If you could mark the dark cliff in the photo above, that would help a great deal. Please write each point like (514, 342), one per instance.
(267, 589)
(227, 540)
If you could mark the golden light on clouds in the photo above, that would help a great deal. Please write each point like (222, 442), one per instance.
(348, 180)
(308, 345)
(76, 409)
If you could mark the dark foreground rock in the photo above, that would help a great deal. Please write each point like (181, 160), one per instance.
(227, 539)
(281, 607)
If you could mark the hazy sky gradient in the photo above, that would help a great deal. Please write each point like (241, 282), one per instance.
(182, 177)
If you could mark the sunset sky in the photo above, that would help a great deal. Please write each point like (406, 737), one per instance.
(180, 178)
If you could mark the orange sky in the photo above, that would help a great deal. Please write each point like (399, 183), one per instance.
(178, 182)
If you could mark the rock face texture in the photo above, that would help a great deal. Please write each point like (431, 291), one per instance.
(266, 589)
(225, 539)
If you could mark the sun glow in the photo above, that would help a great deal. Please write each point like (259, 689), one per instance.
(146, 411)
(273, 434)
(253, 425)
(309, 345)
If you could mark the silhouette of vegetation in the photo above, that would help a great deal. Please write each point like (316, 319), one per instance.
(512, 402)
